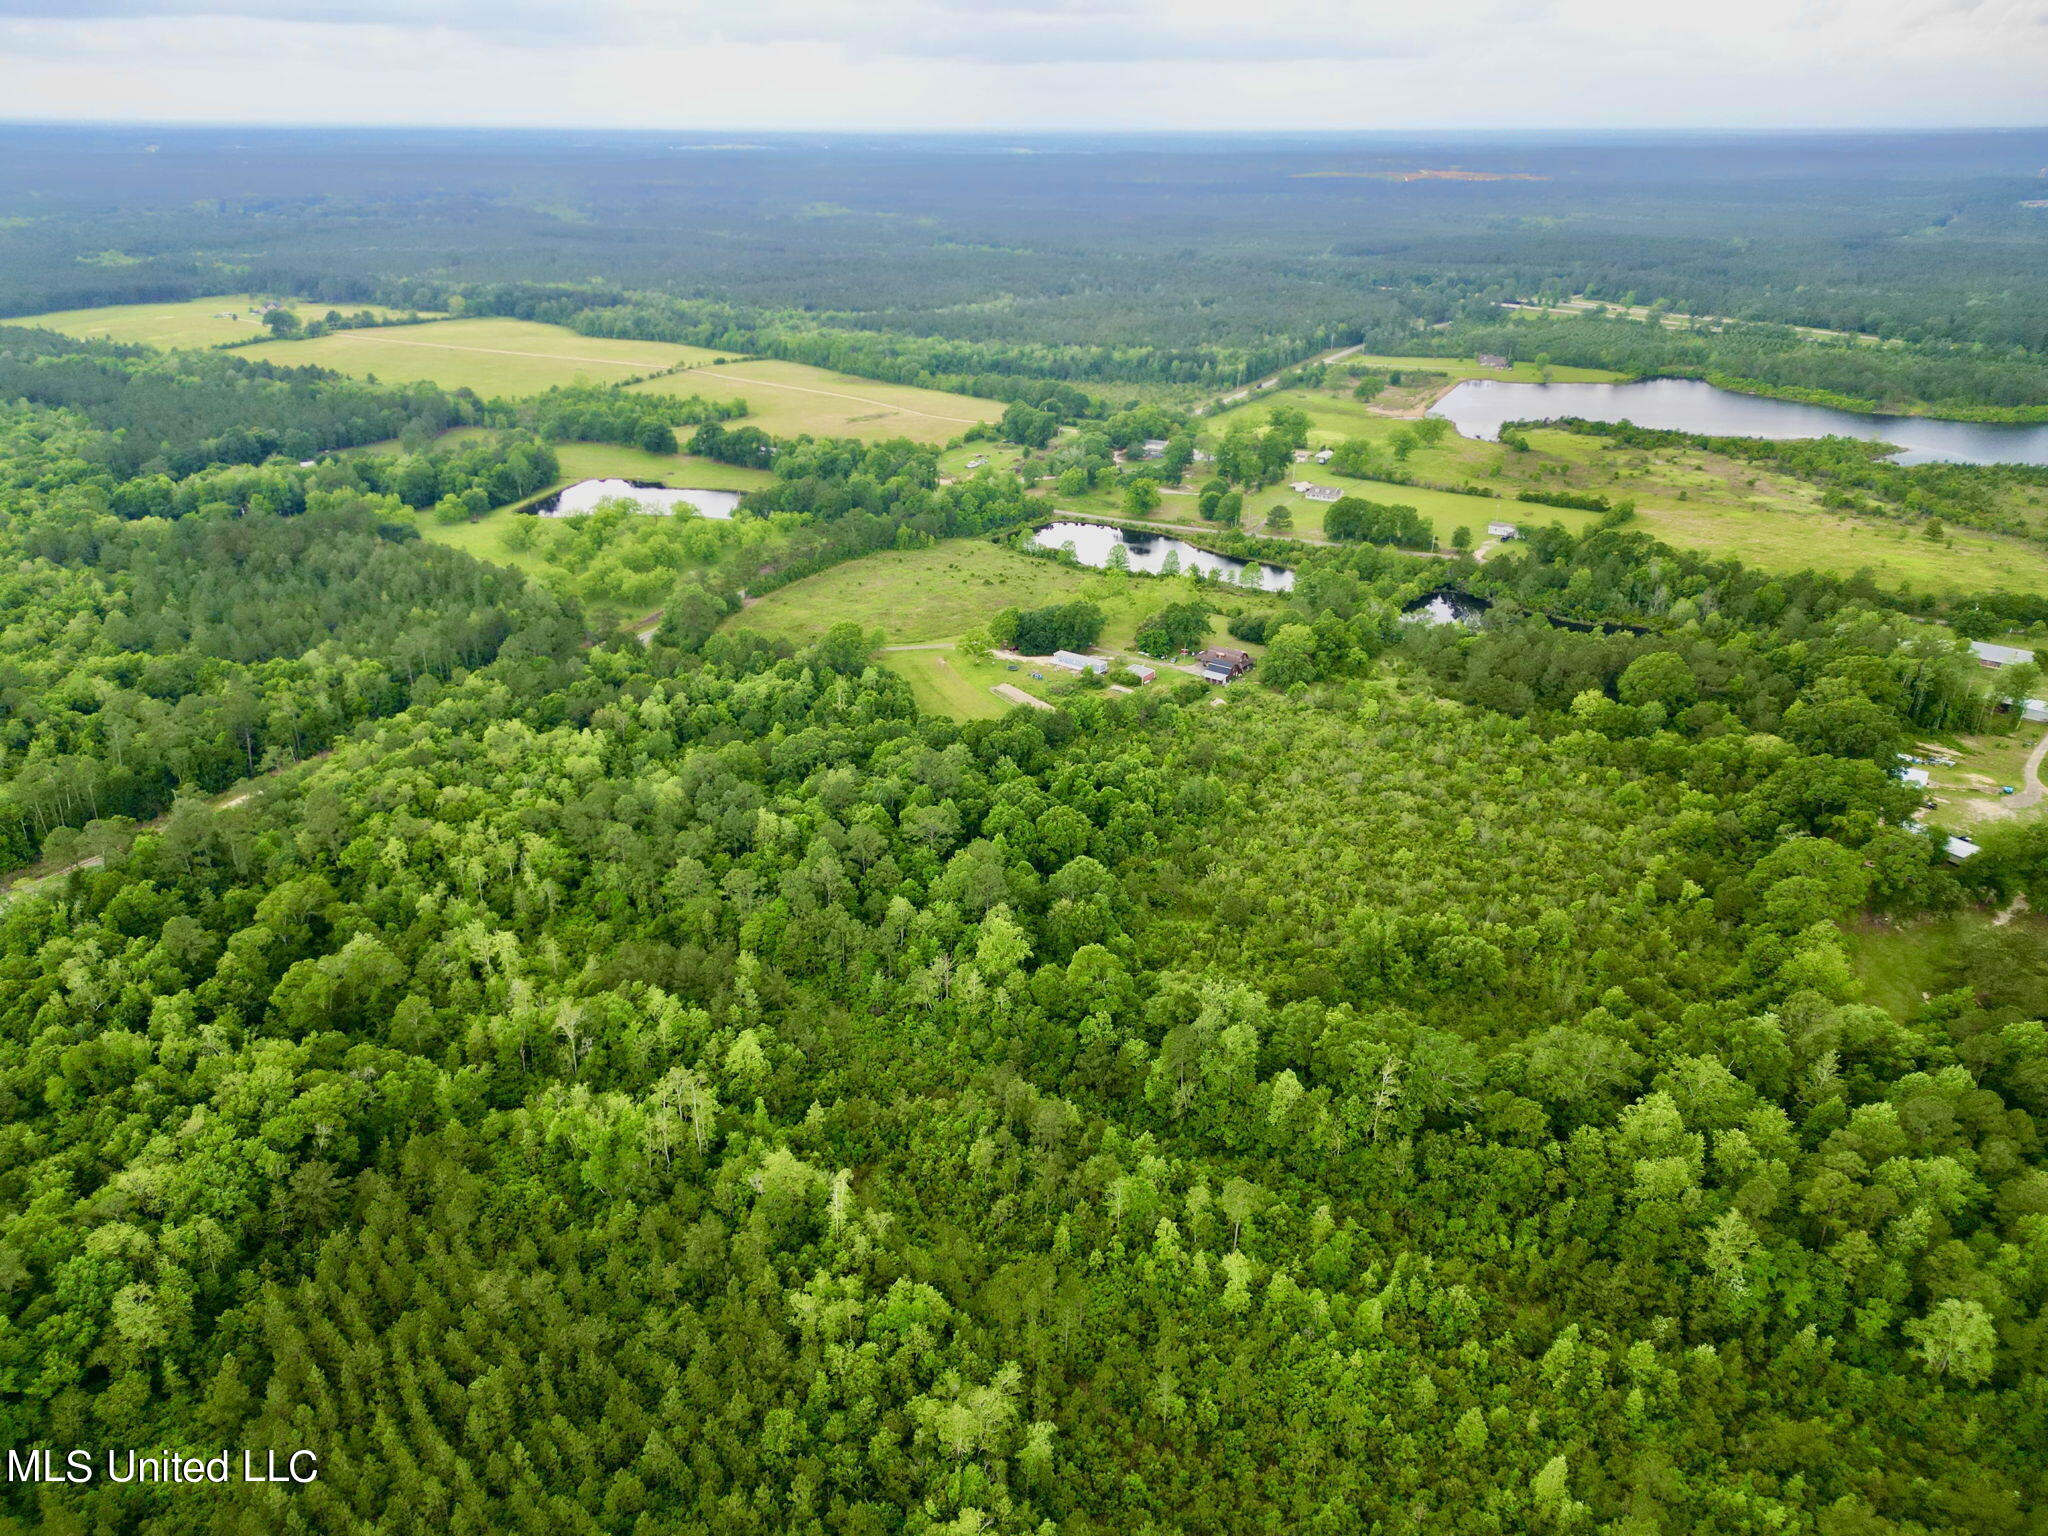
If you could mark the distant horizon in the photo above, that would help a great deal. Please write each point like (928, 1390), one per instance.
(898, 66)
(1612, 131)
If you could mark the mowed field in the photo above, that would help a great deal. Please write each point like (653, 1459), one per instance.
(788, 399)
(919, 596)
(189, 323)
(492, 357)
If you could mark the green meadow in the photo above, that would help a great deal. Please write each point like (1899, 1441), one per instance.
(187, 323)
(490, 356)
(789, 399)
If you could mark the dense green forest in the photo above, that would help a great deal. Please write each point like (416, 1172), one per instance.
(581, 1076)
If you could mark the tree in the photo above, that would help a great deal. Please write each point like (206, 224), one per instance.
(1141, 498)
(1660, 677)
(1027, 425)
(1956, 1339)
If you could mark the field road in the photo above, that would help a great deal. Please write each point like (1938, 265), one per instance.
(1017, 695)
(2032, 794)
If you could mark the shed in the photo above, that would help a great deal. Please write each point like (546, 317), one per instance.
(1155, 447)
(1917, 777)
(1074, 661)
(1503, 531)
(1143, 674)
(2034, 711)
(1999, 655)
(1324, 455)
(1492, 360)
(1959, 849)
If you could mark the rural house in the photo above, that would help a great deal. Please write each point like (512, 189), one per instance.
(1492, 360)
(1220, 664)
(1503, 531)
(1314, 492)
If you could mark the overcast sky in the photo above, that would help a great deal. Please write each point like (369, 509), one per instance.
(1032, 63)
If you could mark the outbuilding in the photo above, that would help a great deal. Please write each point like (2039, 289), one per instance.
(1142, 673)
(1998, 655)
(1503, 531)
(1074, 661)
(1959, 849)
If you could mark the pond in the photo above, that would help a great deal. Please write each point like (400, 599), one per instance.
(657, 500)
(1149, 552)
(1478, 407)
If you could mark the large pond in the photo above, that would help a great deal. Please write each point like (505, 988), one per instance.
(1093, 542)
(1478, 407)
(659, 500)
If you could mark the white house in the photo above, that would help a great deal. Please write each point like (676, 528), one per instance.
(1320, 492)
(2034, 711)
(1074, 661)
(1503, 531)
(1324, 455)
(1917, 777)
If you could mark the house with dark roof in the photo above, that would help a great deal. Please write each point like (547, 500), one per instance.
(1220, 664)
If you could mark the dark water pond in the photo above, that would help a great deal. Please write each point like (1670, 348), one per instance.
(660, 500)
(1150, 552)
(1478, 407)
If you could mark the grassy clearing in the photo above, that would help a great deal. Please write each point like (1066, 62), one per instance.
(1900, 965)
(1966, 796)
(787, 399)
(188, 323)
(492, 357)
(485, 538)
(918, 596)
(948, 683)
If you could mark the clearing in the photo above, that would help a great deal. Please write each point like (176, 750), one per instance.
(925, 595)
(789, 399)
(187, 323)
(490, 356)
(485, 537)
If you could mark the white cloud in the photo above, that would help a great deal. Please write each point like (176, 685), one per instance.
(1031, 63)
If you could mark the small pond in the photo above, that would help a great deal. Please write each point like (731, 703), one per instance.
(1478, 407)
(658, 500)
(1149, 552)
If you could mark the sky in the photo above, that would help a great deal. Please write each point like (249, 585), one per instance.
(1044, 64)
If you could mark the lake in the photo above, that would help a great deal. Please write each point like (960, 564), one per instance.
(656, 500)
(1478, 407)
(1148, 552)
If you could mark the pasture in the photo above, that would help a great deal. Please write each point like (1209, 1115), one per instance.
(918, 596)
(789, 399)
(490, 356)
(187, 323)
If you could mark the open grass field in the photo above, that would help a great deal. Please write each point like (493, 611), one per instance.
(492, 357)
(188, 323)
(787, 399)
(948, 683)
(918, 596)
(1900, 964)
